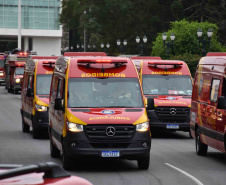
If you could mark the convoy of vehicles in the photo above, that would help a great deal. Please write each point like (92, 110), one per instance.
(2, 70)
(97, 109)
(35, 94)
(92, 105)
(168, 85)
(14, 70)
(208, 107)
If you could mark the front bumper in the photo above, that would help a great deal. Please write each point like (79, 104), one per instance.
(41, 120)
(2, 80)
(78, 145)
(157, 124)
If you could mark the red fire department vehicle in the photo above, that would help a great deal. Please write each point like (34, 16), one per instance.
(168, 85)
(42, 174)
(208, 107)
(2, 70)
(97, 109)
(35, 94)
(14, 70)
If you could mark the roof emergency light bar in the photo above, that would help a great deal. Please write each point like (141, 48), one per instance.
(117, 62)
(146, 58)
(174, 63)
(216, 54)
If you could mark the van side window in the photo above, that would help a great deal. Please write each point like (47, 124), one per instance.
(224, 88)
(214, 90)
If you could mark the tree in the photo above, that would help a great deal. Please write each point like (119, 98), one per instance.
(186, 40)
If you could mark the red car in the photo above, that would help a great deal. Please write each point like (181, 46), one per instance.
(42, 173)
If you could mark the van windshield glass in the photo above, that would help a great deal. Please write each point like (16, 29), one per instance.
(167, 85)
(2, 63)
(104, 92)
(43, 83)
(19, 71)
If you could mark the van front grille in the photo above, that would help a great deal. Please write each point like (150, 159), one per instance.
(172, 114)
(109, 132)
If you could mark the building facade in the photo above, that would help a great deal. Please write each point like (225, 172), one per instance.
(40, 27)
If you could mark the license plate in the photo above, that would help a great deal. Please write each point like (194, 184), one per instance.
(172, 126)
(110, 154)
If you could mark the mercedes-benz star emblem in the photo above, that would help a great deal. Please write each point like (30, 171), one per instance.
(173, 111)
(110, 131)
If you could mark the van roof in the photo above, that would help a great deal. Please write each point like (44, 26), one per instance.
(99, 67)
(75, 54)
(216, 54)
(146, 57)
(44, 57)
(42, 65)
(165, 67)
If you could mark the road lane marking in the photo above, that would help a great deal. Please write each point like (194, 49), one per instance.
(185, 173)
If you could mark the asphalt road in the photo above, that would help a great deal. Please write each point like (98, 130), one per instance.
(173, 158)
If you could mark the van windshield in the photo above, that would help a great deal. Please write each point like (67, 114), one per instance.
(19, 71)
(104, 92)
(1, 63)
(167, 85)
(43, 84)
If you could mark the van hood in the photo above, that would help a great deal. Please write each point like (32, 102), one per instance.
(169, 100)
(107, 115)
(42, 100)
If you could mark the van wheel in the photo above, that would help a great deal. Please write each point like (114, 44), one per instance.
(35, 133)
(15, 91)
(67, 162)
(201, 149)
(54, 152)
(143, 163)
(9, 90)
(25, 127)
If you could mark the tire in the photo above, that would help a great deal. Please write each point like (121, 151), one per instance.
(201, 149)
(9, 90)
(35, 132)
(67, 162)
(15, 91)
(54, 151)
(25, 127)
(143, 163)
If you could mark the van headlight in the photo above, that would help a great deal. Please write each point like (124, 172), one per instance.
(40, 108)
(142, 127)
(74, 127)
(1, 73)
(17, 80)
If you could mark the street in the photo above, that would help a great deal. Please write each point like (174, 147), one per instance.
(173, 160)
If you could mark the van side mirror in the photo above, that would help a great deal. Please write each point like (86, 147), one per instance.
(59, 104)
(221, 103)
(150, 104)
(30, 92)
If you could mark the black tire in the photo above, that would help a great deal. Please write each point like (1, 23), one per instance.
(15, 91)
(201, 149)
(143, 163)
(9, 90)
(54, 151)
(35, 132)
(25, 127)
(67, 162)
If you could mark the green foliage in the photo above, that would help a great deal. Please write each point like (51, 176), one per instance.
(186, 39)
(191, 60)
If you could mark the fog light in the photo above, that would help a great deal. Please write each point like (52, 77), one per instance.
(73, 144)
(145, 145)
